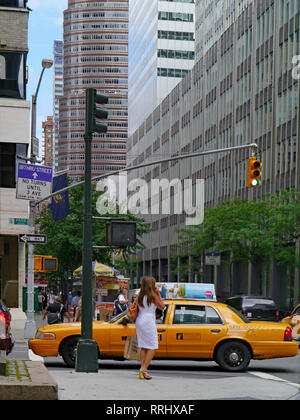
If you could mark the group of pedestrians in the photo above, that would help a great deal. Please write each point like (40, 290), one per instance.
(56, 308)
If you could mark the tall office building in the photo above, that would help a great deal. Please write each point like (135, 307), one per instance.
(48, 146)
(95, 56)
(213, 18)
(161, 52)
(241, 90)
(57, 92)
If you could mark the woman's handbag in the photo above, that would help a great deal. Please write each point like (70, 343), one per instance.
(133, 312)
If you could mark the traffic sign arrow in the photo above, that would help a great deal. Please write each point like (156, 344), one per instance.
(32, 239)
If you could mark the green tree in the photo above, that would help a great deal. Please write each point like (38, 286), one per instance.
(65, 236)
(247, 231)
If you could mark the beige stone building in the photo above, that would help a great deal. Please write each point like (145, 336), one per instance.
(14, 142)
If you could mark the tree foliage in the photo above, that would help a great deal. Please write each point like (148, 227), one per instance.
(65, 236)
(250, 231)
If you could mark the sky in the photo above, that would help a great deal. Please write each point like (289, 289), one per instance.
(44, 26)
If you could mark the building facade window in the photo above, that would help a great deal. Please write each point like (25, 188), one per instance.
(12, 70)
(8, 160)
(13, 3)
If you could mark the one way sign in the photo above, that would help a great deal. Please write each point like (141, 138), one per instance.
(33, 239)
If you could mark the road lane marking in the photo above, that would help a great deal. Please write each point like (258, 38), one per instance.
(267, 376)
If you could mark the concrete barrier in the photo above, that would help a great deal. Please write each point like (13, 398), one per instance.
(39, 385)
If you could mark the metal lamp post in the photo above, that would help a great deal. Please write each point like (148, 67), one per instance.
(30, 326)
(87, 350)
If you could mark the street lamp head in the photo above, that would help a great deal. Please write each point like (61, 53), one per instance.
(47, 63)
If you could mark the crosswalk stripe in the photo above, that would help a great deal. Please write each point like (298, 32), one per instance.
(273, 378)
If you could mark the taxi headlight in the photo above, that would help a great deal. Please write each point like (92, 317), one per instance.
(41, 335)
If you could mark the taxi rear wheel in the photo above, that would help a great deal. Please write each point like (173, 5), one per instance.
(68, 351)
(233, 356)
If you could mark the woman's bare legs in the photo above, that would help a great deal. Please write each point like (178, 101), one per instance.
(146, 355)
(142, 357)
(149, 356)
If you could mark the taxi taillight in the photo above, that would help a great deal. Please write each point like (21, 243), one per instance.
(5, 318)
(288, 336)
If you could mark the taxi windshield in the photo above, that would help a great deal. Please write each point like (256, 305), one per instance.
(117, 317)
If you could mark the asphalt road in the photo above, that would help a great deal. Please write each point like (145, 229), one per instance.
(287, 369)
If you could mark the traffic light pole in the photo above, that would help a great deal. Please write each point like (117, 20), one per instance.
(87, 350)
(154, 162)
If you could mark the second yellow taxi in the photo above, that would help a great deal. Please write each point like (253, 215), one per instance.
(188, 329)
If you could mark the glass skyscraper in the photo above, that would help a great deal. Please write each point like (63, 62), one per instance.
(240, 91)
(161, 52)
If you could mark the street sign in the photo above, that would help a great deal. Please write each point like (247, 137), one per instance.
(33, 239)
(34, 182)
(213, 258)
(18, 221)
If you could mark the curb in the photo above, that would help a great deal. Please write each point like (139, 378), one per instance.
(39, 386)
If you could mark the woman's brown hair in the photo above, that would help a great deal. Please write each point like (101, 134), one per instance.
(147, 289)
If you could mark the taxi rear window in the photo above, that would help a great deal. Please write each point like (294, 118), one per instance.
(243, 317)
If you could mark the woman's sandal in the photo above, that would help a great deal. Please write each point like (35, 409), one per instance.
(144, 374)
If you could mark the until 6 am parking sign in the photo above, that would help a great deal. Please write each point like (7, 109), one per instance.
(34, 182)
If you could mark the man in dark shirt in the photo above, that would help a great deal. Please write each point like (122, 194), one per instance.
(55, 312)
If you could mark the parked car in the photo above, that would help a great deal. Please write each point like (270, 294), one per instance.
(256, 308)
(190, 329)
(293, 320)
(6, 341)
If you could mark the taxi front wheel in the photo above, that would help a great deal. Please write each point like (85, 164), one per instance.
(233, 356)
(68, 351)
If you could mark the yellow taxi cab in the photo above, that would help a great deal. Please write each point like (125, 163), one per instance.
(293, 320)
(189, 329)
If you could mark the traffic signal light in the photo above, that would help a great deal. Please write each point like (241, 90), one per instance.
(254, 172)
(45, 264)
(120, 234)
(92, 112)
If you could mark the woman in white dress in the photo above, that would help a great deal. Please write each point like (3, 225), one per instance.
(148, 300)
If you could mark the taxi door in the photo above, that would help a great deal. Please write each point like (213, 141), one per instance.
(162, 330)
(118, 335)
(194, 332)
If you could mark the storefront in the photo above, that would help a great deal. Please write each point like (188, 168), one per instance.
(12, 270)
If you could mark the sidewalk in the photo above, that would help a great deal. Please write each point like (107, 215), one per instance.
(119, 381)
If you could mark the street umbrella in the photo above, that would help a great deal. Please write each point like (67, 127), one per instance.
(99, 270)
